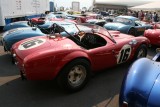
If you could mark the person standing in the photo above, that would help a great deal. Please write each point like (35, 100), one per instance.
(156, 17)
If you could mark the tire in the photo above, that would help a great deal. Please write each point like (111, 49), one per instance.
(132, 31)
(75, 75)
(141, 52)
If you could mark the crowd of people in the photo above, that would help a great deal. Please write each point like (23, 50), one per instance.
(145, 15)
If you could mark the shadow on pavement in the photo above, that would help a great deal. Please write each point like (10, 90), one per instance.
(6, 66)
(18, 93)
(102, 86)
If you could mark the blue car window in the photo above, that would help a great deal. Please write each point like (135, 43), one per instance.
(123, 20)
(49, 16)
(71, 17)
(138, 22)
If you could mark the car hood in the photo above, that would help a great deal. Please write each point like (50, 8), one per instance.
(42, 45)
(47, 24)
(114, 26)
(20, 33)
(15, 25)
(139, 81)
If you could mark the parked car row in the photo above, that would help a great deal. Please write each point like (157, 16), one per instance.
(69, 51)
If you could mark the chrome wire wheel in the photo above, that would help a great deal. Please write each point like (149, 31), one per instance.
(77, 75)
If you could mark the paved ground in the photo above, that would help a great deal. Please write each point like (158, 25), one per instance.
(102, 90)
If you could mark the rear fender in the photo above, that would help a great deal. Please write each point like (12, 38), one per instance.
(68, 58)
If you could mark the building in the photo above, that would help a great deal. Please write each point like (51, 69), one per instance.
(105, 5)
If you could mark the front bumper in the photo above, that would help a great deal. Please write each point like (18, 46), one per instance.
(17, 62)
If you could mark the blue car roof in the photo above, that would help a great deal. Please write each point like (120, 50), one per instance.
(128, 17)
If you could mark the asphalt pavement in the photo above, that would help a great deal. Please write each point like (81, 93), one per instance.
(101, 91)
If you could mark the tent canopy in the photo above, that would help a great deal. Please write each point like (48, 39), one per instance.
(148, 6)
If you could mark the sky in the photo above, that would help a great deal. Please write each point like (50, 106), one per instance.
(88, 3)
(68, 3)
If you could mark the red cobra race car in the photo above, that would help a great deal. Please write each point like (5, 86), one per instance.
(153, 35)
(71, 61)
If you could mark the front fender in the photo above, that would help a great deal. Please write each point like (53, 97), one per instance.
(154, 98)
(138, 82)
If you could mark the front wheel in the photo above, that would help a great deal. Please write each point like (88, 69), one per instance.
(74, 75)
(132, 31)
(141, 52)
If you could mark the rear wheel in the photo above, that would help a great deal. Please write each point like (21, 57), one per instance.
(74, 75)
(141, 52)
(132, 31)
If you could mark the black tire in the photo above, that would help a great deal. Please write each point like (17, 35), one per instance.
(70, 80)
(132, 31)
(141, 52)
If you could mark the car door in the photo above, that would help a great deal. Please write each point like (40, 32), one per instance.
(103, 57)
(110, 55)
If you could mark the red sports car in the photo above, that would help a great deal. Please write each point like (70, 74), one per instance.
(72, 59)
(157, 25)
(153, 35)
(82, 18)
(49, 17)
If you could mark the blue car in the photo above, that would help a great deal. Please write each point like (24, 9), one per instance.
(128, 25)
(141, 85)
(19, 24)
(99, 22)
(14, 35)
(16, 25)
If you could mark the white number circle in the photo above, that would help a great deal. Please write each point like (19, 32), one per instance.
(124, 54)
(31, 44)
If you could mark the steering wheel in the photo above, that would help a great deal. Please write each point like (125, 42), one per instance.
(53, 28)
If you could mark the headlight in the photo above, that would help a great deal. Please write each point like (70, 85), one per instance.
(14, 55)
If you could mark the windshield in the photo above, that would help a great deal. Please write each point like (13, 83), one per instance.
(71, 28)
(123, 20)
(49, 16)
(98, 29)
(67, 29)
(138, 22)
(71, 17)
